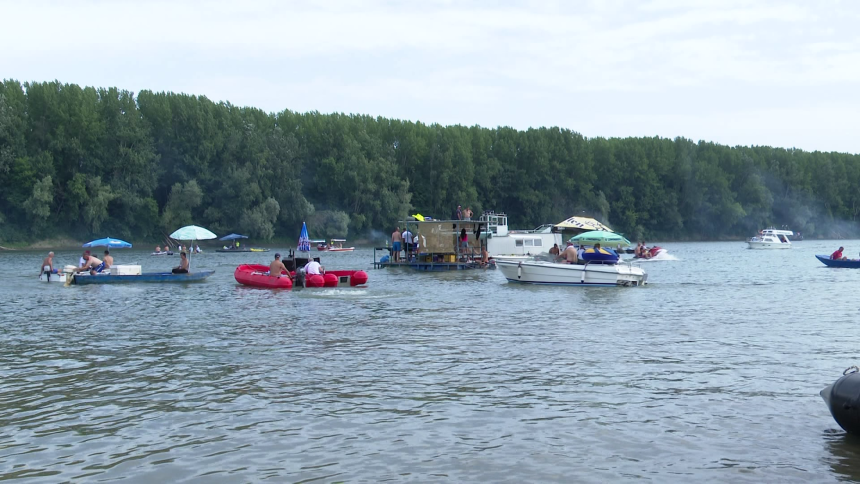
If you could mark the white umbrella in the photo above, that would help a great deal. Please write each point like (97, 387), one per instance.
(192, 232)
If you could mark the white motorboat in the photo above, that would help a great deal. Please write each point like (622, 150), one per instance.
(771, 239)
(586, 274)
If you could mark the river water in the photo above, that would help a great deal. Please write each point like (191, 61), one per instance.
(710, 372)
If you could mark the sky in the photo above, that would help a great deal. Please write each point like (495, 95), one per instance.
(777, 73)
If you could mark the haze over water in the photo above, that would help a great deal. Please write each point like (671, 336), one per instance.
(710, 372)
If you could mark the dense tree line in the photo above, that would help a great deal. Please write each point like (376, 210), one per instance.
(92, 162)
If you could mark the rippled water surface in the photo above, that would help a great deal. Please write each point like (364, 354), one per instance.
(711, 372)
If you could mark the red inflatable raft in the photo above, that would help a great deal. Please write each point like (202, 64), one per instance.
(257, 275)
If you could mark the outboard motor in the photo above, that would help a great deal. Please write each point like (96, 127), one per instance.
(843, 400)
(300, 277)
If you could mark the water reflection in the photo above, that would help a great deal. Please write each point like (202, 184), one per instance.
(844, 454)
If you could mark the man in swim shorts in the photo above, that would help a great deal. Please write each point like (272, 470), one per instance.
(396, 240)
(48, 265)
(92, 264)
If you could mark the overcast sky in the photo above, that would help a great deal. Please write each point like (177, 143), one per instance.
(738, 73)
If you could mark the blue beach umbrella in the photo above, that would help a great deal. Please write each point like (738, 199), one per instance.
(304, 240)
(233, 237)
(109, 243)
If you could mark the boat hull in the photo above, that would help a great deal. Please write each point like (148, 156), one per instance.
(768, 245)
(243, 250)
(549, 273)
(847, 264)
(342, 249)
(85, 278)
(256, 275)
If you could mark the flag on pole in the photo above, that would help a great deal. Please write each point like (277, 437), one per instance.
(304, 240)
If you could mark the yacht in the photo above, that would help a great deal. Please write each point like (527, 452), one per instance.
(503, 243)
(771, 239)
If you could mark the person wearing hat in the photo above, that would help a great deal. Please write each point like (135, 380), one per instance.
(276, 268)
(569, 254)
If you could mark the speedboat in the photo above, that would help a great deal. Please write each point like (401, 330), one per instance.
(771, 239)
(584, 274)
(335, 245)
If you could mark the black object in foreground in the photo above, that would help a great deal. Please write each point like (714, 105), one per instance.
(843, 400)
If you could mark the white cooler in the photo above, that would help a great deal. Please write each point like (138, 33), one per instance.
(125, 270)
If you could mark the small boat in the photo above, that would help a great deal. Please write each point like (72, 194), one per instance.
(584, 274)
(257, 275)
(771, 239)
(847, 263)
(85, 278)
(652, 253)
(842, 398)
(162, 253)
(335, 245)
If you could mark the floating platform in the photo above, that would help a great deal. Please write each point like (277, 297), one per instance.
(436, 266)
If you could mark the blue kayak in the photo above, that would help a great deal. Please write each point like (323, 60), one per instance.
(851, 264)
(85, 278)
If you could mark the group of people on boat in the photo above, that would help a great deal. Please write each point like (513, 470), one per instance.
(404, 241)
(461, 214)
(642, 251)
(278, 269)
(92, 264)
(193, 249)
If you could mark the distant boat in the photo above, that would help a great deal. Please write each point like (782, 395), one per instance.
(771, 238)
(335, 245)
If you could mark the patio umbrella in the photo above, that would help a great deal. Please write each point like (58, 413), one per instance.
(192, 232)
(304, 240)
(109, 243)
(233, 237)
(600, 236)
(582, 223)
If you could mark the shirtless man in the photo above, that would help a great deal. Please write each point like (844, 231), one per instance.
(396, 242)
(183, 266)
(92, 264)
(83, 260)
(569, 254)
(47, 265)
(277, 267)
(108, 260)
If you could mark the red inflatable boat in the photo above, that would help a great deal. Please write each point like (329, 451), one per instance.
(257, 275)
